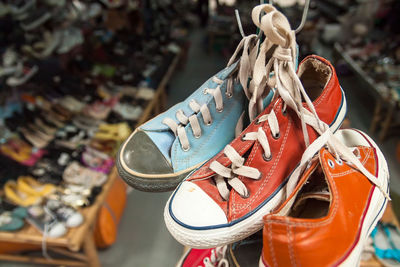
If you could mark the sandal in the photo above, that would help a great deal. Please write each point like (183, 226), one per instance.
(34, 139)
(383, 248)
(118, 132)
(77, 174)
(30, 186)
(97, 110)
(9, 223)
(20, 198)
(97, 160)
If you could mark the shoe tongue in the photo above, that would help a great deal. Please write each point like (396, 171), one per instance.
(318, 195)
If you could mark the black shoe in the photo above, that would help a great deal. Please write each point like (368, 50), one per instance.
(246, 253)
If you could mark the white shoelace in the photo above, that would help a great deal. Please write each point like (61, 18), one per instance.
(290, 89)
(341, 153)
(217, 258)
(237, 167)
(246, 62)
(179, 129)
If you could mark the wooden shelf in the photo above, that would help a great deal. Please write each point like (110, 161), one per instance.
(81, 237)
(73, 239)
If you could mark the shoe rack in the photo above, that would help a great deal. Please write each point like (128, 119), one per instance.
(386, 107)
(77, 247)
(68, 245)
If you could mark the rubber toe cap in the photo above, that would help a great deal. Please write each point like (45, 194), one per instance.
(141, 155)
(194, 208)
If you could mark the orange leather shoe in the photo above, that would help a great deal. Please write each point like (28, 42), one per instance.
(334, 205)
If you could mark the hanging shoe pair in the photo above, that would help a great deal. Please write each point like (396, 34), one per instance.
(321, 187)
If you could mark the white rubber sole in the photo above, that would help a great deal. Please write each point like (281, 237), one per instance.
(220, 236)
(377, 207)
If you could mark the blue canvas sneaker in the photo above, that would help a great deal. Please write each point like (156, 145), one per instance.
(162, 152)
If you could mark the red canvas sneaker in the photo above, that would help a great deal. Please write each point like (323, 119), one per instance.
(210, 257)
(224, 201)
(334, 206)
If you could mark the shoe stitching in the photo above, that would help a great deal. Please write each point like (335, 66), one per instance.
(226, 160)
(289, 235)
(177, 142)
(322, 97)
(271, 247)
(271, 171)
(245, 147)
(366, 158)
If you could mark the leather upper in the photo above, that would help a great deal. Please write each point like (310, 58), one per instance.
(286, 151)
(324, 241)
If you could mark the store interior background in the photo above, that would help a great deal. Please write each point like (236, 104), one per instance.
(145, 222)
(143, 239)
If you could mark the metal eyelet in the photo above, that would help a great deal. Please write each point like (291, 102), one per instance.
(205, 91)
(208, 123)
(265, 157)
(197, 136)
(228, 94)
(331, 164)
(257, 122)
(242, 137)
(246, 196)
(276, 137)
(186, 149)
(339, 161)
(220, 110)
(284, 112)
(206, 260)
(357, 154)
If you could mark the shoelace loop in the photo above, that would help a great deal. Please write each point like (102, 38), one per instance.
(237, 167)
(341, 153)
(179, 129)
(289, 88)
(246, 62)
(217, 258)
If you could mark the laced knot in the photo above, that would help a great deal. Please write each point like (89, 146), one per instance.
(283, 54)
(279, 37)
(244, 69)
